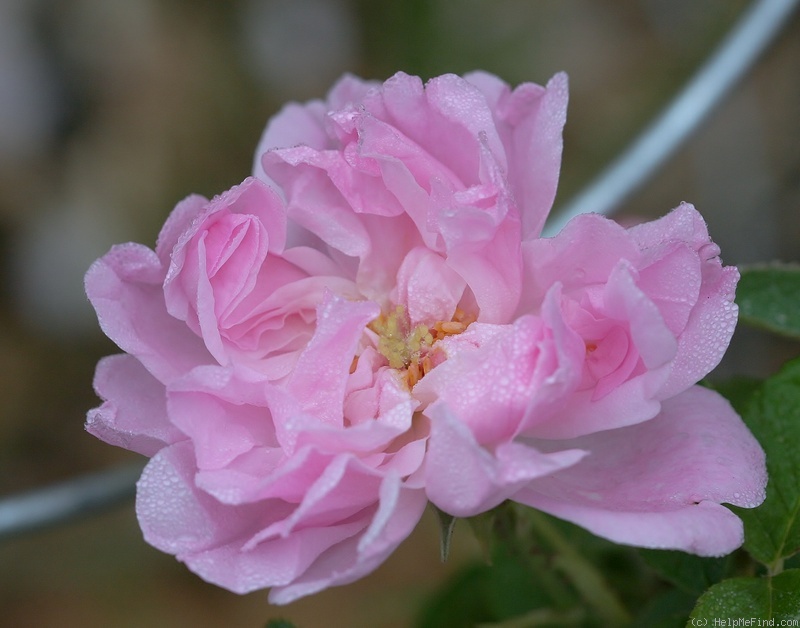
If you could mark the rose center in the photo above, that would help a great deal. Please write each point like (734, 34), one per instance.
(412, 350)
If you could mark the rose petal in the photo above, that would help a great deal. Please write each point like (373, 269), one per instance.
(398, 512)
(177, 518)
(464, 479)
(134, 414)
(320, 376)
(427, 287)
(124, 287)
(659, 483)
(222, 414)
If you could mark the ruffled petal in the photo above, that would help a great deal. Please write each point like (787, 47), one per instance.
(464, 479)
(399, 511)
(134, 413)
(320, 376)
(224, 415)
(178, 518)
(124, 287)
(659, 484)
(536, 117)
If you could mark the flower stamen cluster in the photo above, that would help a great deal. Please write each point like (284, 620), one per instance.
(412, 351)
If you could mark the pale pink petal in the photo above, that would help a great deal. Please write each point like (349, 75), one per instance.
(222, 414)
(529, 120)
(390, 242)
(708, 332)
(179, 220)
(334, 536)
(349, 90)
(492, 387)
(399, 511)
(709, 326)
(630, 403)
(295, 124)
(320, 376)
(177, 518)
(481, 230)
(464, 479)
(134, 412)
(275, 562)
(502, 380)
(427, 287)
(312, 198)
(382, 146)
(445, 119)
(265, 473)
(495, 90)
(673, 283)
(214, 539)
(244, 478)
(653, 304)
(376, 149)
(124, 287)
(583, 254)
(622, 396)
(624, 301)
(534, 156)
(343, 489)
(493, 275)
(658, 483)
(231, 239)
(375, 420)
(205, 298)
(683, 224)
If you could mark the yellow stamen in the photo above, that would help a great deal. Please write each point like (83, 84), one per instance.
(409, 350)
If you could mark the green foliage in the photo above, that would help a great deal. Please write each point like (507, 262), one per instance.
(485, 593)
(670, 609)
(279, 623)
(692, 574)
(772, 531)
(541, 571)
(769, 297)
(770, 597)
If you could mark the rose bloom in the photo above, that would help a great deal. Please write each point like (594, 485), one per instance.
(371, 322)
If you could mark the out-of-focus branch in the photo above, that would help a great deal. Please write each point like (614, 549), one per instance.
(67, 500)
(751, 35)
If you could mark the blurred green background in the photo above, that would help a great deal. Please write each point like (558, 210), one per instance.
(111, 111)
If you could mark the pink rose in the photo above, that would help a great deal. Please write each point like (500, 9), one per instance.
(371, 323)
(274, 337)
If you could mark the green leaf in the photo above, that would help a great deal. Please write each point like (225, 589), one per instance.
(692, 574)
(487, 593)
(583, 575)
(772, 531)
(669, 610)
(769, 297)
(279, 623)
(461, 602)
(770, 597)
(738, 390)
